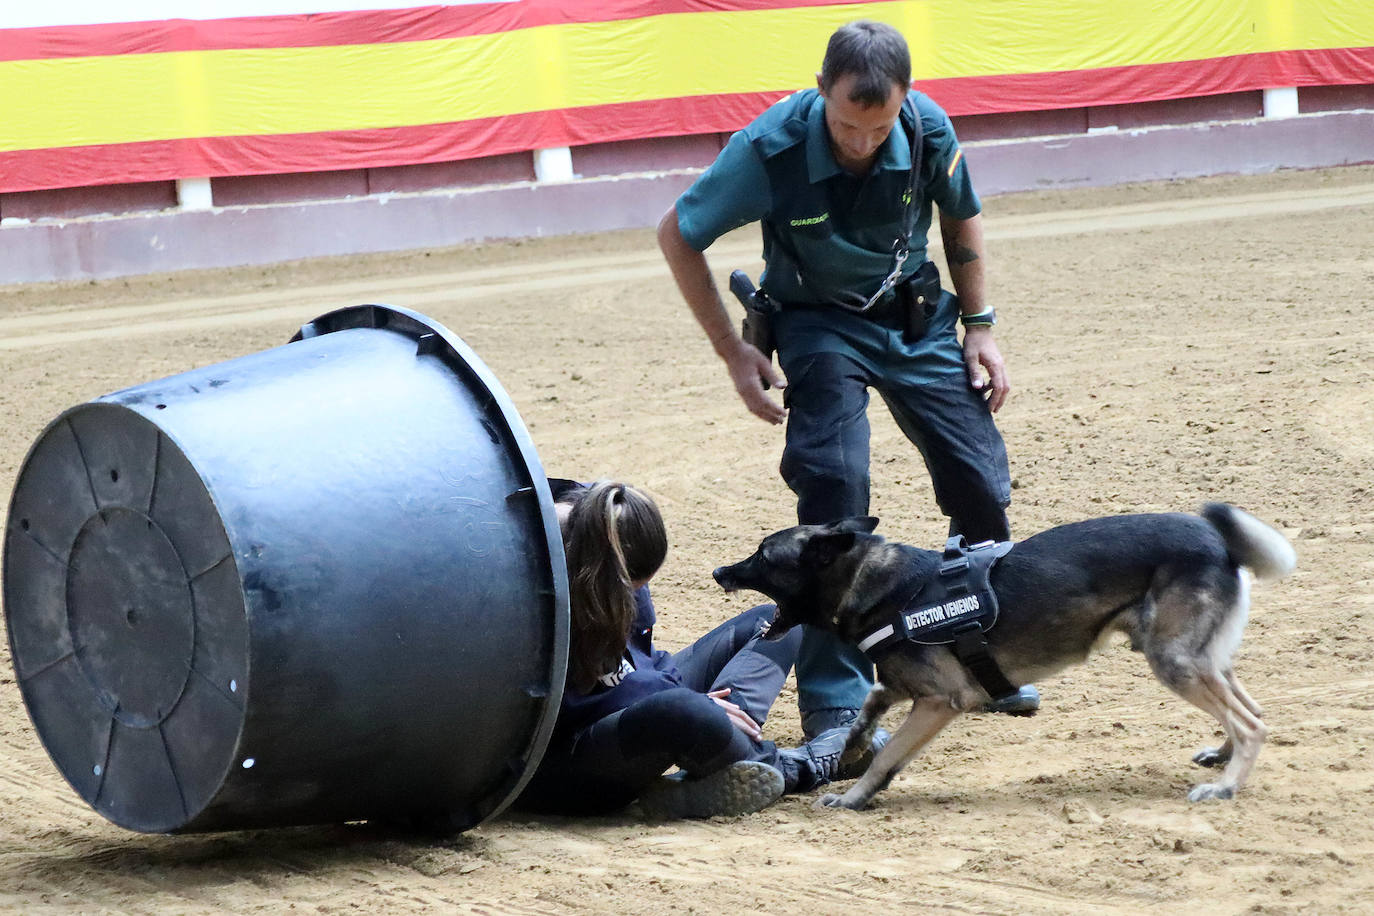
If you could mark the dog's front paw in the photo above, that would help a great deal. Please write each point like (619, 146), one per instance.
(1211, 757)
(1209, 790)
(834, 800)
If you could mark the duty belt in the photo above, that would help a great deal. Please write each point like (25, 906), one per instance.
(956, 608)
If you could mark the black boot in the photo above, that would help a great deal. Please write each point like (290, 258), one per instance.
(1024, 702)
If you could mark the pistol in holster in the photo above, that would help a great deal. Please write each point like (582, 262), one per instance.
(918, 297)
(757, 328)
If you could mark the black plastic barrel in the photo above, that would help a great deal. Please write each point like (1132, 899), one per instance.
(316, 584)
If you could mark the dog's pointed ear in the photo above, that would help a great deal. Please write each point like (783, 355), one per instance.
(864, 524)
(821, 550)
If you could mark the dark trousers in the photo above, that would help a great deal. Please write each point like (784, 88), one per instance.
(826, 458)
(606, 765)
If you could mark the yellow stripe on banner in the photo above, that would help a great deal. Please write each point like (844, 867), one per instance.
(138, 97)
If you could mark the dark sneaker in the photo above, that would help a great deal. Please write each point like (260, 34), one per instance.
(742, 787)
(815, 763)
(818, 721)
(1023, 702)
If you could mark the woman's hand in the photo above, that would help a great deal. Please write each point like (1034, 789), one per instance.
(738, 716)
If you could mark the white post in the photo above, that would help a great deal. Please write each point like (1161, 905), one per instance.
(553, 164)
(194, 194)
(1281, 103)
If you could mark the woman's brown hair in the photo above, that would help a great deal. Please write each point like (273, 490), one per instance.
(614, 537)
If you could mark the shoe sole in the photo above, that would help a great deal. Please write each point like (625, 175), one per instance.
(741, 788)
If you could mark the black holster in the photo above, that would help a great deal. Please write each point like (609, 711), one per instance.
(757, 330)
(917, 298)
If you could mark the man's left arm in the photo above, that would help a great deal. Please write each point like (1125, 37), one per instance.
(964, 256)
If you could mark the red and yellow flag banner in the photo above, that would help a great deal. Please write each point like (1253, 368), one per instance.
(142, 101)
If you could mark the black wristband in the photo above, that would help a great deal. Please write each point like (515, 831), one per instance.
(984, 319)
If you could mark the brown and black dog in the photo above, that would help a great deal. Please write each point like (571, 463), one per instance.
(1177, 585)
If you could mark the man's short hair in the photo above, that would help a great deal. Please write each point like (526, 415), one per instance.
(873, 52)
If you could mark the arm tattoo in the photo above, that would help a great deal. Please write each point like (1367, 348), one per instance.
(962, 254)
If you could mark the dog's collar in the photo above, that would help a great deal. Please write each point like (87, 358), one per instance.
(958, 601)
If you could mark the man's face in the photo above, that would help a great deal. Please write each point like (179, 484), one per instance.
(858, 131)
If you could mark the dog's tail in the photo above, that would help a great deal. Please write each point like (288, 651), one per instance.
(1251, 543)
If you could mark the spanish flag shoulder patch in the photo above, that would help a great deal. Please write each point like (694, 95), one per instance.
(954, 163)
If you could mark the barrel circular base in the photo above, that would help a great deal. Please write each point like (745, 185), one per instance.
(108, 625)
(130, 615)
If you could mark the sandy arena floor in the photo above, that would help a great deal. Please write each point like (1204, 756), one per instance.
(1168, 344)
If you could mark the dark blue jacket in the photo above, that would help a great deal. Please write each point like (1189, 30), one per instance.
(653, 668)
(654, 672)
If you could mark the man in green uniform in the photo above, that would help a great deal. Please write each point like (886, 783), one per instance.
(828, 173)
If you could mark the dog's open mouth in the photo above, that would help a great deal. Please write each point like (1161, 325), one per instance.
(776, 628)
(724, 579)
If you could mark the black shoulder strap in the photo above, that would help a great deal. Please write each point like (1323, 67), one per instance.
(913, 118)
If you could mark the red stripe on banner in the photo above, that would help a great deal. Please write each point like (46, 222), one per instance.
(1151, 82)
(32, 170)
(308, 30)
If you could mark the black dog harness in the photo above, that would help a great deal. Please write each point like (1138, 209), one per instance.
(955, 608)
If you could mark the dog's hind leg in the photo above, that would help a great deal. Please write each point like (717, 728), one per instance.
(878, 701)
(928, 715)
(1245, 732)
(1243, 695)
(1220, 756)
(1200, 607)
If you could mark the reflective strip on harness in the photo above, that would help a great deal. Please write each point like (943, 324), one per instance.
(876, 637)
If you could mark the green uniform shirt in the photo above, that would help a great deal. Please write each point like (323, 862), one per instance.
(779, 170)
